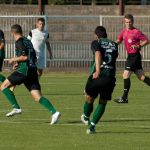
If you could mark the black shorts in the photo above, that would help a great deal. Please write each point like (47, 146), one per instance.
(30, 81)
(133, 62)
(102, 85)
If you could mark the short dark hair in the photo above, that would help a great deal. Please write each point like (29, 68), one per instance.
(42, 20)
(16, 28)
(129, 16)
(100, 31)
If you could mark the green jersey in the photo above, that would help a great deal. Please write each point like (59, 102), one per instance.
(24, 47)
(109, 53)
(2, 40)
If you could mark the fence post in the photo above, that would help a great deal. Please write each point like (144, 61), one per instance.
(100, 20)
(121, 7)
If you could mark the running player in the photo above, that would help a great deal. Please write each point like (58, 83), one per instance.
(39, 38)
(134, 40)
(102, 79)
(25, 72)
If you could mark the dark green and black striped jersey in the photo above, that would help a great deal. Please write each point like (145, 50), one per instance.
(24, 47)
(109, 53)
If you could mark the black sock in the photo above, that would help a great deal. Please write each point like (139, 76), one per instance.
(127, 85)
(147, 80)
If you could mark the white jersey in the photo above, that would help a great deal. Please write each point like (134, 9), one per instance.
(38, 39)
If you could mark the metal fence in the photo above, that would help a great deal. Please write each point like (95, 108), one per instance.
(70, 37)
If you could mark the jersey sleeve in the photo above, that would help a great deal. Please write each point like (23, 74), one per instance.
(22, 48)
(95, 46)
(30, 35)
(2, 38)
(120, 36)
(142, 36)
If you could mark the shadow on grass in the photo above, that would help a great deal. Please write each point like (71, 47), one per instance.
(113, 120)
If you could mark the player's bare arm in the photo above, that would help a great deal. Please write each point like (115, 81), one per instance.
(2, 45)
(118, 41)
(49, 49)
(142, 44)
(18, 59)
(97, 63)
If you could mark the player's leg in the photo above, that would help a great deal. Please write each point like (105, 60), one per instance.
(40, 72)
(36, 94)
(87, 110)
(105, 88)
(90, 95)
(127, 85)
(32, 84)
(10, 97)
(40, 65)
(141, 76)
(98, 113)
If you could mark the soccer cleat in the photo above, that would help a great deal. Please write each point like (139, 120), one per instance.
(121, 100)
(55, 117)
(84, 119)
(90, 131)
(15, 111)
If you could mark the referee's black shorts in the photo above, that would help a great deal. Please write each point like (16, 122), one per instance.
(133, 62)
(30, 81)
(102, 85)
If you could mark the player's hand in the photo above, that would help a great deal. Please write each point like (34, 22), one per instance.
(11, 61)
(136, 47)
(15, 66)
(95, 75)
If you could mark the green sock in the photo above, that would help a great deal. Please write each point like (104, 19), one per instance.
(2, 78)
(43, 101)
(99, 111)
(88, 108)
(11, 98)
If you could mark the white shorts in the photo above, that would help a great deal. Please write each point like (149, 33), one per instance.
(41, 62)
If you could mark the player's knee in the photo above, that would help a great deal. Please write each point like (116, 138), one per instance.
(124, 76)
(89, 99)
(1, 88)
(40, 72)
(141, 78)
(36, 98)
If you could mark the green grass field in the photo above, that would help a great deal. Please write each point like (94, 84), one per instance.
(123, 126)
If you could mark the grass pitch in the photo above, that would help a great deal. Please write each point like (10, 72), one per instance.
(123, 126)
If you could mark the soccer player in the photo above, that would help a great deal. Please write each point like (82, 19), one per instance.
(102, 79)
(134, 40)
(25, 71)
(2, 49)
(39, 38)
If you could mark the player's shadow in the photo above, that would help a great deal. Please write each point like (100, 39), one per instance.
(53, 94)
(62, 94)
(113, 120)
(122, 132)
(139, 130)
(127, 120)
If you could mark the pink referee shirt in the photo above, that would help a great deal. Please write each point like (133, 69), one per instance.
(131, 37)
